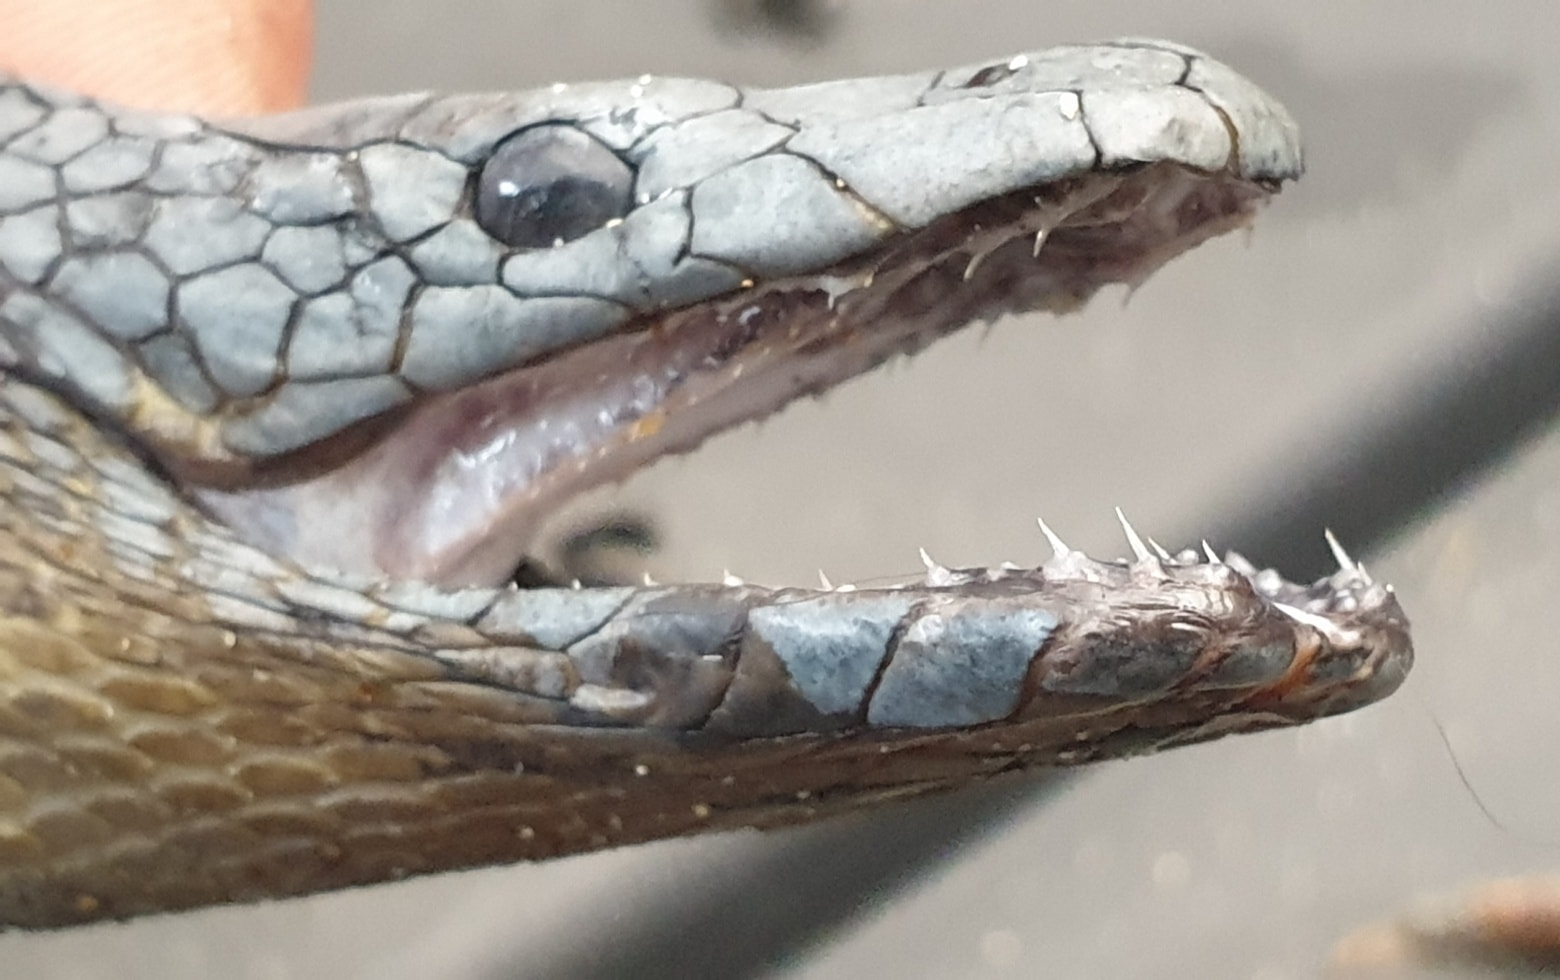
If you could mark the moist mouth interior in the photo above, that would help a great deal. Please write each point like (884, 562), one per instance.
(455, 489)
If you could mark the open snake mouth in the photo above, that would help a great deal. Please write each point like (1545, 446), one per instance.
(330, 684)
(455, 488)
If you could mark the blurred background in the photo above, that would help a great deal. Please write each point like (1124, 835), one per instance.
(1380, 356)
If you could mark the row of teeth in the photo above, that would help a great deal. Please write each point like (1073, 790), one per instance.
(1150, 557)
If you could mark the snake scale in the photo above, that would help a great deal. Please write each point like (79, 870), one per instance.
(285, 401)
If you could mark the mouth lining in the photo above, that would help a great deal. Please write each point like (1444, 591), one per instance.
(455, 488)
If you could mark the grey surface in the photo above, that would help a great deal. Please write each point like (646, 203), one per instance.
(1423, 231)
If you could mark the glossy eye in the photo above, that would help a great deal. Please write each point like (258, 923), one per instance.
(551, 184)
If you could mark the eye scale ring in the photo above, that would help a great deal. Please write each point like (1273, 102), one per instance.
(551, 184)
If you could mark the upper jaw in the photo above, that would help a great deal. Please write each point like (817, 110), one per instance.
(728, 188)
(866, 219)
(456, 490)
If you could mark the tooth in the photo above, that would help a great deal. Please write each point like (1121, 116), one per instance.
(1059, 547)
(935, 573)
(1345, 563)
(1240, 563)
(974, 264)
(1139, 549)
(650, 583)
(731, 581)
(1319, 623)
(1040, 237)
(1213, 556)
(1342, 557)
(1159, 550)
(823, 580)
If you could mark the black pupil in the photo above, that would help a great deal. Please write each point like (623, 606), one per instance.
(551, 184)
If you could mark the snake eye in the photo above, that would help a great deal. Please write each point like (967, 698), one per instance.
(551, 184)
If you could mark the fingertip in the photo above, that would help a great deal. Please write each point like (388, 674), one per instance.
(214, 57)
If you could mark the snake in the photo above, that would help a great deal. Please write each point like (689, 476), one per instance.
(286, 403)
